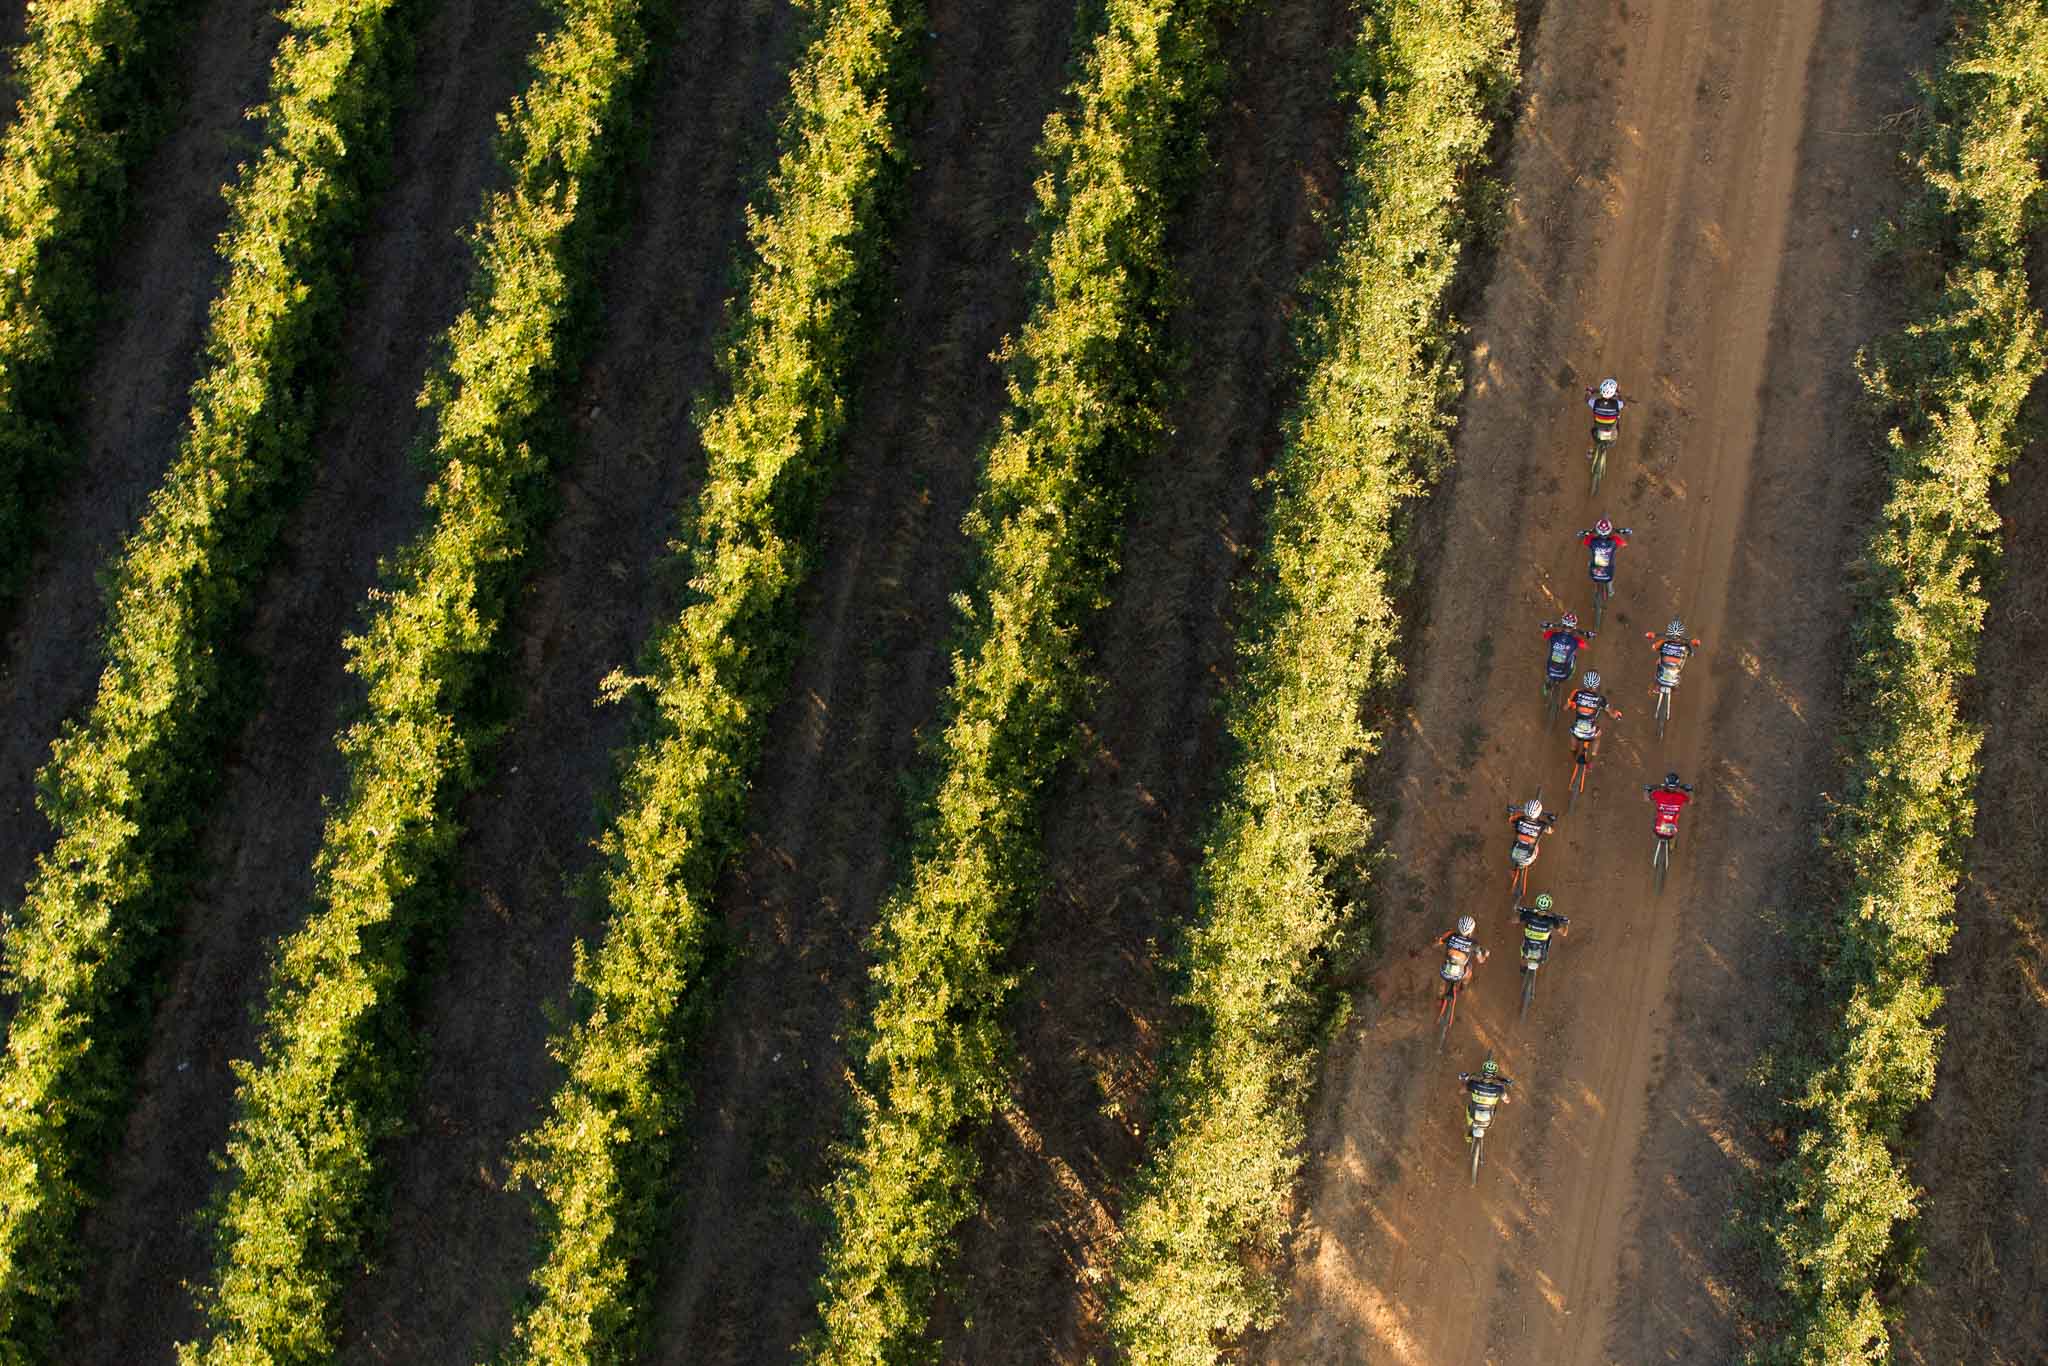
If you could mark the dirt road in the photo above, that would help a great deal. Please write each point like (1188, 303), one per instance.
(1695, 184)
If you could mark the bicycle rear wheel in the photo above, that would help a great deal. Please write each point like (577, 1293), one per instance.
(1528, 991)
(1477, 1145)
(1443, 1017)
(1663, 710)
(1599, 463)
(1660, 863)
(1601, 592)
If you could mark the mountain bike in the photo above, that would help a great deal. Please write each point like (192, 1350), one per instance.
(1535, 952)
(1478, 1119)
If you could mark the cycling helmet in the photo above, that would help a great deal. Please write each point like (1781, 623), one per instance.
(1489, 1069)
(1570, 621)
(1603, 527)
(1676, 628)
(1671, 780)
(1592, 679)
(1608, 388)
(1466, 924)
(1543, 901)
(1533, 808)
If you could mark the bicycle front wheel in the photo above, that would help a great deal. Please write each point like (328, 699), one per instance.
(1477, 1144)
(1528, 991)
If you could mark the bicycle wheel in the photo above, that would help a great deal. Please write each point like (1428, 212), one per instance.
(1663, 710)
(1477, 1143)
(1445, 1009)
(1660, 861)
(1599, 463)
(1601, 593)
(1528, 991)
(1578, 781)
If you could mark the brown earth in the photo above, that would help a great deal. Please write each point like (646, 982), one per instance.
(1694, 184)
(826, 825)
(462, 1242)
(1978, 1148)
(159, 281)
(1123, 827)
(363, 499)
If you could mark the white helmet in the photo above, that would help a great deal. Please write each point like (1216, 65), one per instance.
(1676, 628)
(1532, 808)
(1466, 924)
(1608, 388)
(1592, 679)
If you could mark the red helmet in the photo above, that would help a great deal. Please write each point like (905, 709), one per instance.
(1570, 622)
(1603, 527)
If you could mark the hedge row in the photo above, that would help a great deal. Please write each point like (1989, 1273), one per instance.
(331, 1080)
(1087, 385)
(1841, 1201)
(86, 76)
(1320, 633)
(124, 786)
(603, 1156)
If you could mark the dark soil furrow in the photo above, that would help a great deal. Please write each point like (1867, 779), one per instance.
(363, 500)
(1979, 1150)
(1123, 828)
(461, 1242)
(826, 829)
(163, 273)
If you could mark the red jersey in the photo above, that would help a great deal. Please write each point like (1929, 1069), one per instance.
(1668, 804)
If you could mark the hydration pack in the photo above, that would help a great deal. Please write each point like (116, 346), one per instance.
(1583, 727)
(1603, 559)
(1667, 672)
(1563, 649)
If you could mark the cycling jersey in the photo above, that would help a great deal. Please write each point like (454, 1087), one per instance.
(1606, 411)
(1603, 548)
(1671, 657)
(1532, 830)
(1669, 804)
(1564, 648)
(1459, 953)
(1487, 1094)
(1537, 927)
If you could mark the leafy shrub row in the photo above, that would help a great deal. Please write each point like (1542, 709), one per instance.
(331, 1078)
(1953, 381)
(123, 787)
(1086, 387)
(1320, 632)
(86, 75)
(603, 1155)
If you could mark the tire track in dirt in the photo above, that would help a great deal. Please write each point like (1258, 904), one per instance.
(1662, 159)
(826, 828)
(363, 500)
(461, 1243)
(161, 275)
(1978, 1147)
(1123, 827)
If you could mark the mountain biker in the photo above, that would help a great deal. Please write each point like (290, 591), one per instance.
(1669, 798)
(1538, 917)
(1488, 1086)
(1606, 403)
(1586, 703)
(1462, 953)
(1601, 542)
(1562, 639)
(1531, 825)
(1673, 648)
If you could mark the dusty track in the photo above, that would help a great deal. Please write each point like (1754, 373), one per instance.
(1979, 1148)
(826, 820)
(363, 500)
(1123, 827)
(1687, 180)
(162, 276)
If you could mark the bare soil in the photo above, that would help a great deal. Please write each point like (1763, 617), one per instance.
(1694, 185)
(826, 829)
(364, 498)
(462, 1242)
(1124, 826)
(1978, 1147)
(161, 276)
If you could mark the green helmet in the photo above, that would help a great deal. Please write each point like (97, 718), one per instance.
(1489, 1068)
(1543, 902)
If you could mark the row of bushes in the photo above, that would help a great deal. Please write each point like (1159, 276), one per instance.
(1319, 634)
(85, 78)
(124, 785)
(1086, 390)
(332, 1079)
(1841, 1202)
(603, 1156)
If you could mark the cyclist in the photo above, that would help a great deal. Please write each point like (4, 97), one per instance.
(1586, 704)
(1462, 953)
(1673, 648)
(1531, 824)
(1606, 402)
(1601, 541)
(1539, 922)
(1562, 639)
(1488, 1086)
(1669, 797)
